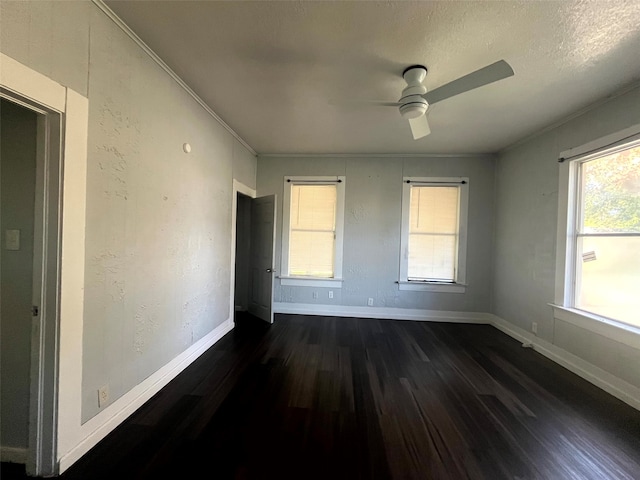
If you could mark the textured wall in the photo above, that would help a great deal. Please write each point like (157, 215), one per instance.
(50, 37)
(525, 241)
(244, 165)
(158, 220)
(158, 230)
(373, 205)
(18, 158)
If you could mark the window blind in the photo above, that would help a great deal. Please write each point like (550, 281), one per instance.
(433, 233)
(312, 230)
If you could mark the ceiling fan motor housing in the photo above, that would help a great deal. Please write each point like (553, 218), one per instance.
(413, 106)
(412, 103)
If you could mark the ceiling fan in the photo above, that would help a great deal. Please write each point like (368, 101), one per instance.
(415, 100)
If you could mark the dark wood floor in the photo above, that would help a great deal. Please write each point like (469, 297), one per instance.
(337, 398)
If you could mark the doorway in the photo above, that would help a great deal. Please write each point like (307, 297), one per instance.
(243, 246)
(30, 181)
(18, 148)
(253, 252)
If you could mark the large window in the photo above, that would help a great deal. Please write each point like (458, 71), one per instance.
(312, 231)
(604, 258)
(434, 234)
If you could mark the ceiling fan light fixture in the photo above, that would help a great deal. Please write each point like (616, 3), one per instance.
(413, 106)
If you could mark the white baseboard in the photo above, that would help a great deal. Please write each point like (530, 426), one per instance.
(112, 416)
(382, 313)
(611, 384)
(13, 455)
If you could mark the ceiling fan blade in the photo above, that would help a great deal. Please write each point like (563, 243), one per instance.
(419, 127)
(362, 103)
(484, 76)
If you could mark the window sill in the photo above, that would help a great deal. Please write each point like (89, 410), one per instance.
(310, 282)
(617, 331)
(431, 287)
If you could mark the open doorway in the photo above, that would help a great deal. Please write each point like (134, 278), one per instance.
(243, 251)
(253, 241)
(18, 149)
(30, 180)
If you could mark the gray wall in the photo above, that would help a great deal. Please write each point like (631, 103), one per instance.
(158, 226)
(525, 239)
(18, 127)
(244, 165)
(373, 204)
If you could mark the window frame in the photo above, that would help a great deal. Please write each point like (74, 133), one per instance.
(459, 284)
(296, 280)
(569, 198)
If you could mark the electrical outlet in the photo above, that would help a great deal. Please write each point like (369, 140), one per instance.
(330, 294)
(315, 295)
(12, 240)
(103, 396)
(534, 327)
(370, 302)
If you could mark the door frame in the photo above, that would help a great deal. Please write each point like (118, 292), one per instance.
(238, 187)
(40, 454)
(59, 279)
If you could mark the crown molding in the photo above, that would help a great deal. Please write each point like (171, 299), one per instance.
(376, 155)
(131, 34)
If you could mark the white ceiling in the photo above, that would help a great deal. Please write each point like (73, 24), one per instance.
(270, 69)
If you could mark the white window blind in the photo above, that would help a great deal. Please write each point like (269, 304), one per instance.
(312, 234)
(433, 233)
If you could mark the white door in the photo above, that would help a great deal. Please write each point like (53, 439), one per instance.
(263, 232)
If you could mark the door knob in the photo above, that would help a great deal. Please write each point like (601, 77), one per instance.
(270, 270)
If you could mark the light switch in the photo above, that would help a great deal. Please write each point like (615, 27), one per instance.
(12, 240)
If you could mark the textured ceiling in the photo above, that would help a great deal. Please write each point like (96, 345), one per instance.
(271, 70)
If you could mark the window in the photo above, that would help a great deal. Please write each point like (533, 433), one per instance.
(434, 239)
(604, 234)
(313, 212)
